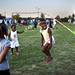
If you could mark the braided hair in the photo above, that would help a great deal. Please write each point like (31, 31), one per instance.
(3, 30)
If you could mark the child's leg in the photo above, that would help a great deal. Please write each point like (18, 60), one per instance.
(46, 51)
(12, 50)
(17, 49)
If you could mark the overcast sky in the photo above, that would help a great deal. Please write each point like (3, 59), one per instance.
(51, 7)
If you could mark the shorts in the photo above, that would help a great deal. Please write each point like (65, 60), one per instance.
(53, 41)
(14, 44)
(47, 46)
(46, 43)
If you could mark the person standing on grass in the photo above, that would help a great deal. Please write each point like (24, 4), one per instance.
(14, 39)
(46, 40)
(51, 24)
(4, 51)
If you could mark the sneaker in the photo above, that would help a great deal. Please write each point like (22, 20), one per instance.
(49, 60)
(11, 53)
(17, 53)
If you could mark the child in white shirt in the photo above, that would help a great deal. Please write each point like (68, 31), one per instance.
(14, 39)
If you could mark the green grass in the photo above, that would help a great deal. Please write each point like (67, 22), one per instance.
(29, 62)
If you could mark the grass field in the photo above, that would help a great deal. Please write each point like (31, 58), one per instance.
(29, 62)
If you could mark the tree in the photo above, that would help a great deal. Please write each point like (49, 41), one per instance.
(16, 17)
(42, 17)
(69, 17)
(73, 16)
(65, 19)
(2, 17)
(58, 17)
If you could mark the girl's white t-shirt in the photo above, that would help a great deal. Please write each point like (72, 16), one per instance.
(45, 35)
(14, 39)
(13, 36)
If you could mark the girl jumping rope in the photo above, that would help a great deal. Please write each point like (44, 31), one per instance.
(46, 40)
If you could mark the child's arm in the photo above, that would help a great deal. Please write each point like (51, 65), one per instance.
(9, 36)
(19, 32)
(3, 54)
(42, 40)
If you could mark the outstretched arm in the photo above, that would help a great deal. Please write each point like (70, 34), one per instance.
(19, 32)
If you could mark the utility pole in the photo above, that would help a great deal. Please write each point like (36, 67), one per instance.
(38, 11)
(5, 14)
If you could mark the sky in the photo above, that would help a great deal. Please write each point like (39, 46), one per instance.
(51, 8)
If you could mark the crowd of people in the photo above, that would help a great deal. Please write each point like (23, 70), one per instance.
(27, 21)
